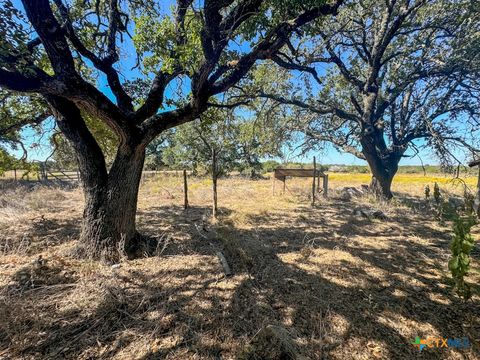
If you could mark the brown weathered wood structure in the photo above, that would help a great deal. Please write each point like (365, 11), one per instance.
(282, 173)
(474, 163)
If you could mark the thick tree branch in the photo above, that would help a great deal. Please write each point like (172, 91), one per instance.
(335, 59)
(49, 31)
(202, 88)
(104, 65)
(338, 141)
(272, 42)
(334, 110)
(229, 105)
(166, 120)
(155, 96)
(89, 154)
(290, 65)
(73, 86)
(15, 81)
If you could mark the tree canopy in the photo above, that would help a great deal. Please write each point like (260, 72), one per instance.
(384, 74)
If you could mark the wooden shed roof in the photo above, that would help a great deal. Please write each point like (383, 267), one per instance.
(474, 163)
(281, 172)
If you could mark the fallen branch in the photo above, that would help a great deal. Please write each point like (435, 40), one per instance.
(212, 237)
(226, 267)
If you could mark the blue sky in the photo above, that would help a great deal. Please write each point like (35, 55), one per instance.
(39, 147)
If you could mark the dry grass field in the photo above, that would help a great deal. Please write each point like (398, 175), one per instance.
(339, 285)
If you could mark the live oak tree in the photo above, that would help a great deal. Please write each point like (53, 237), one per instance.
(238, 139)
(261, 133)
(384, 74)
(191, 145)
(16, 112)
(154, 159)
(254, 143)
(54, 49)
(208, 144)
(7, 161)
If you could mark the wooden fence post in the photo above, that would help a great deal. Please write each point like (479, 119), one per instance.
(313, 182)
(185, 190)
(15, 174)
(214, 183)
(325, 186)
(273, 184)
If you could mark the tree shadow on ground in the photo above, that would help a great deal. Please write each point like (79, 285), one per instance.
(403, 281)
(41, 233)
(7, 184)
(343, 287)
(181, 231)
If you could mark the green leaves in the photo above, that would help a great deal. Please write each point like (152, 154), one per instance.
(8, 162)
(157, 39)
(461, 246)
(273, 12)
(13, 37)
(192, 144)
(12, 32)
(453, 264)
(17, 111)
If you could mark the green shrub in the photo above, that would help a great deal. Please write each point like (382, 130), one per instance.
(427, 192)
(270, 165)
(461, 246)
(469, 199)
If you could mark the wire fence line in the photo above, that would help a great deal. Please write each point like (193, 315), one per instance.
(64, 175)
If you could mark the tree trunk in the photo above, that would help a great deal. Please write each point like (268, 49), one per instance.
(381, 186)
(108, 228)
(215, 201)
(383, 165)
